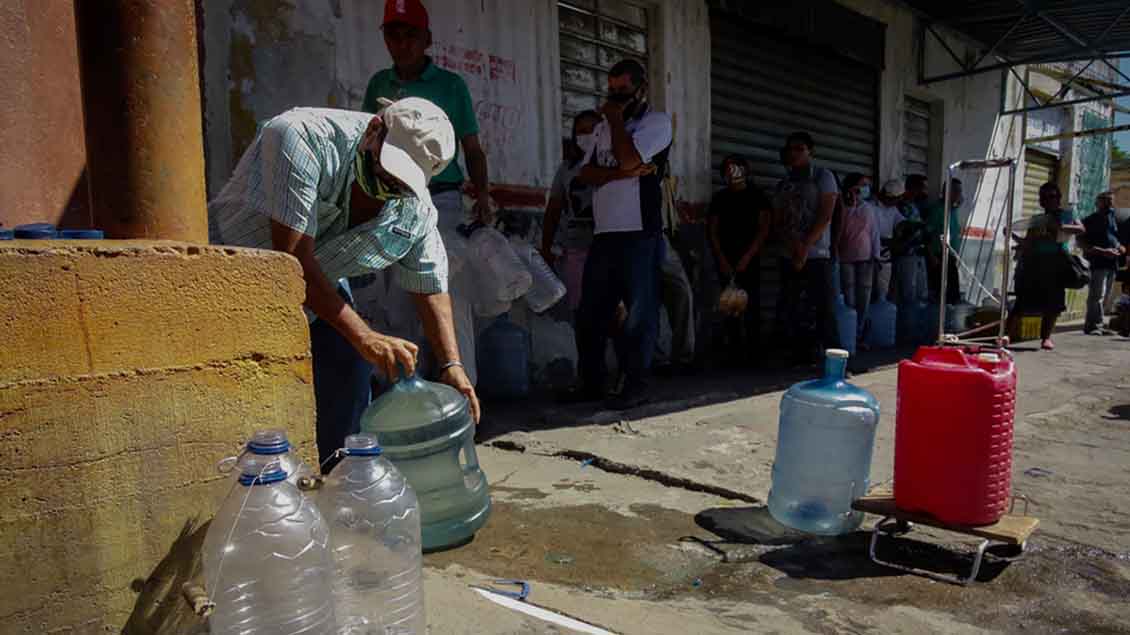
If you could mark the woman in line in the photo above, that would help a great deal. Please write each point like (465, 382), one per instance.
(1039, 277)
(858, 247)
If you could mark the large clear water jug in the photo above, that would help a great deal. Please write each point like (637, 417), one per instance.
(546, 289)
(883, 318)
(273, 443)
(427, 432)
(504, 360)
(824, 445)
(267, 559)
(374, 523)
(499, 272)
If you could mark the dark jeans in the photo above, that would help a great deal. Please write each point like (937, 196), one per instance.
(806, 313)
(953, 281)
(621, 266)
(341, 388)
(744, 333)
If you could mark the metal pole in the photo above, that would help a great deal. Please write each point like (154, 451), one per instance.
(141, 102)
(1006, 270)
(948, 194)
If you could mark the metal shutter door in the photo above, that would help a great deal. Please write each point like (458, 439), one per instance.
(1039, 168)
(764, 88)
(916, 142)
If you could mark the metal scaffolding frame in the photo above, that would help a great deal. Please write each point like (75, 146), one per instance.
(1022, 33)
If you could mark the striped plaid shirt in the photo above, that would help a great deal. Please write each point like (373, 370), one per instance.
(299, 173)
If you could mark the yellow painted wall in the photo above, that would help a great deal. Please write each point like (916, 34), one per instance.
(127, 370)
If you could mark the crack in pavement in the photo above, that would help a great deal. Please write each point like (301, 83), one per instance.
(615, 467)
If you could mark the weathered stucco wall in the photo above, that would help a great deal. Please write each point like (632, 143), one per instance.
(264, 56)
(129, 370)
(42, 168)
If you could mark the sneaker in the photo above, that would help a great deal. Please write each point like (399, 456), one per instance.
(633, 395)
(1048, 345)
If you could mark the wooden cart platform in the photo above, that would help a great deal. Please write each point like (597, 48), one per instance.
(1011, 530)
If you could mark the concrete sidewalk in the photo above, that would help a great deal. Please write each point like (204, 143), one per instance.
(651, 521)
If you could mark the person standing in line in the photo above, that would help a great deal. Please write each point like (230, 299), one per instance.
(1102, 248)
(739, 226)
(887, 216)
(626, 166)
(1039, 275)
(407, 36)
(934, 218)
(804, 203)
(858, 247)
(677, 294)
(908, 247)
(570, 203)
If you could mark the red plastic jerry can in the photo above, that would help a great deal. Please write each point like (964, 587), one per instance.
(953, 434)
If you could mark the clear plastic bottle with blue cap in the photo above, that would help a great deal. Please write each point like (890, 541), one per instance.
(267, 563)
(274, 443)
(374, 520)
(824, 446)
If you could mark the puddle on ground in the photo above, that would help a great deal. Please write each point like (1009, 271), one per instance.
(1055, 587)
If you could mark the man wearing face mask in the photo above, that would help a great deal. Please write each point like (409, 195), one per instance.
(934, 217)
(346, 194)
(625, 165)
(571, 201)
(739, 226)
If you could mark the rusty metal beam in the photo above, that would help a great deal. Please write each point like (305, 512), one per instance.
(141, 102)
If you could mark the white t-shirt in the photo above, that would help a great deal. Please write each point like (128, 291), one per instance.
(616, 205)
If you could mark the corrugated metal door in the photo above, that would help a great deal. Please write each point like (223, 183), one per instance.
(763, 88)
(916, 139)
(1039, 168)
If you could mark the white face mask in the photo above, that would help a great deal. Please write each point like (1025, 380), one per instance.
(585, 142)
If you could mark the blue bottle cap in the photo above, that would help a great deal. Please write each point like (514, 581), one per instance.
(36, 231)
(7, 234)
(82, 234)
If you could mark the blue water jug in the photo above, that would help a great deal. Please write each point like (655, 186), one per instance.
(883, 318)
(426, 430)
(824, 445)
(846, 324)
(913, 323)
(504, 360)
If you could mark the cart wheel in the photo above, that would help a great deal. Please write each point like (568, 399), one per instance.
(904, 527)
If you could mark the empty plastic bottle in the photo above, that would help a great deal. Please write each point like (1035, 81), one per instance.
(274, 444)
(267, 559)
(883, 318)
(499, 272)
(374, 523)
(824, 446)
(546, 289)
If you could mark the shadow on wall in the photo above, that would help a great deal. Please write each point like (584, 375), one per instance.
(75, 214)
(161, 609)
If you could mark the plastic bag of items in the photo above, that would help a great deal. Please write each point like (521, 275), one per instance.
(733, 301)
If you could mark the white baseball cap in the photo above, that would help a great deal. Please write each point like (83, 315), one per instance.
(419, 144)
(894, 187)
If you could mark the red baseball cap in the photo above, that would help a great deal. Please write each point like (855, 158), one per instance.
(410, 12)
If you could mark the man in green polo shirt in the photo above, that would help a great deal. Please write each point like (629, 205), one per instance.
(413, 74)
(408, 36)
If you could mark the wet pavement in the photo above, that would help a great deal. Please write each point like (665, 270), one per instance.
(652, 522)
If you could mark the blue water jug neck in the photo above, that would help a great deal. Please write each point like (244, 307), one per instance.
(835, 368)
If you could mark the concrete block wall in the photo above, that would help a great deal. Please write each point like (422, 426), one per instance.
(128, 369)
